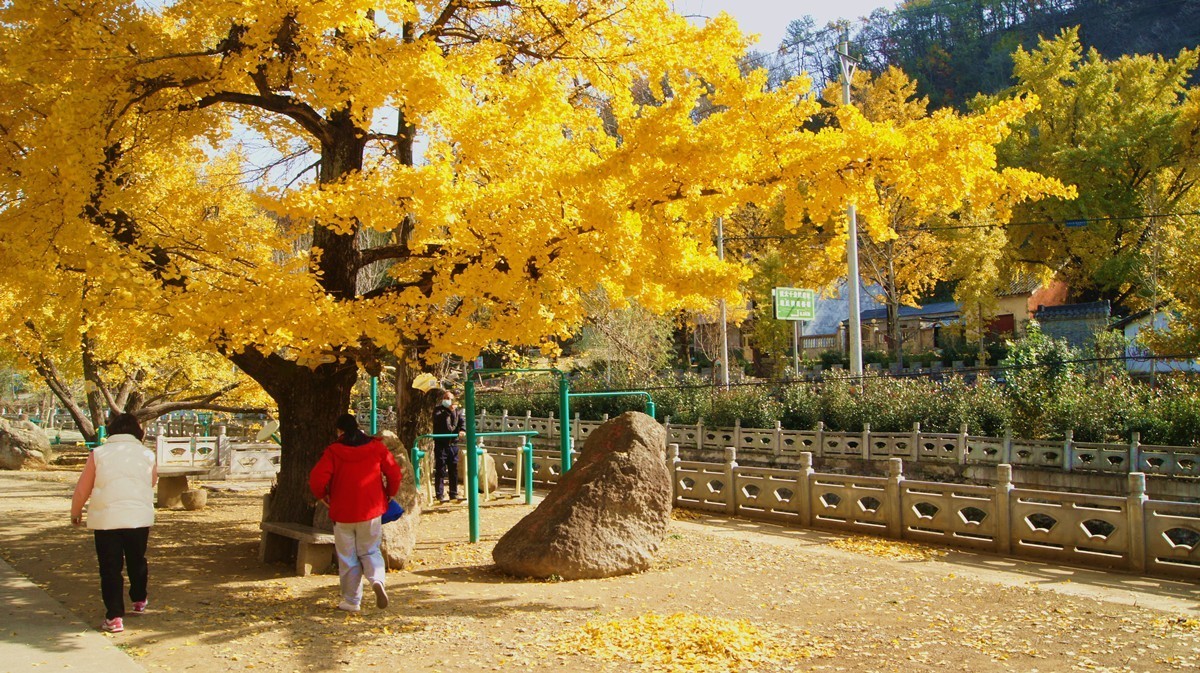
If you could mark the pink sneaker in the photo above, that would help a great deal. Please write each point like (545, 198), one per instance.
(114, 625)
(139, 607)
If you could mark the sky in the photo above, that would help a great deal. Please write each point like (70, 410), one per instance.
(769, 18)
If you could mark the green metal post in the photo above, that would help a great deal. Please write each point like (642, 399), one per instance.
(374, 405)
(564, 406)
(101, 434)
(415, 456)
(472, 462)
(527, 449)
(650, 408)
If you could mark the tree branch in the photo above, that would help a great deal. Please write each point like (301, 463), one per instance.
(308, 118)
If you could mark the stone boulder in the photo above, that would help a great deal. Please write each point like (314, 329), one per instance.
(606, 517)
(23, 444)
(487, 472)
(400, 536)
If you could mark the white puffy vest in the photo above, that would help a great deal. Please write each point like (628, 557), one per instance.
(123, 496)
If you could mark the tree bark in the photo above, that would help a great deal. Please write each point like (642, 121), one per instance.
(310, 400)
(414, 408)
(892, 294)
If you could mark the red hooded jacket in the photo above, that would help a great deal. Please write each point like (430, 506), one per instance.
(353, 479)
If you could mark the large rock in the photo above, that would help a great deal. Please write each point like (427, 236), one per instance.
(22, 444)
(487, 472)
(608, 514)
(400, 536)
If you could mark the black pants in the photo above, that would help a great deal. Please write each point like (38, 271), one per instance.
(445, 459)
(114, 548)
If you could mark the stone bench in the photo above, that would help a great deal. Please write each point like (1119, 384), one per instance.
(313, 547)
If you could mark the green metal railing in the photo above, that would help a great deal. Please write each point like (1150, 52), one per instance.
(416, 454)
(374, 406)
(101, 435)
(564, 445)
(650, 408)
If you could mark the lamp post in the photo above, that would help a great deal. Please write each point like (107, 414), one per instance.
(856, 364)
(723, 318)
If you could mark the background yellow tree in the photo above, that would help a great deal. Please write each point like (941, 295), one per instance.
(1126, 131)
(98, 358)
(914, 231)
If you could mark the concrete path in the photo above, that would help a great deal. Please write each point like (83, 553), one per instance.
(37, 633)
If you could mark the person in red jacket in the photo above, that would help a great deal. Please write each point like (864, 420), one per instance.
(356, 476)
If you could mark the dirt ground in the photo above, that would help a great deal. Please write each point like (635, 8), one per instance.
(801, 600)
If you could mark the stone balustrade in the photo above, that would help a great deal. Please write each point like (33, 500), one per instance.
(1131, 532)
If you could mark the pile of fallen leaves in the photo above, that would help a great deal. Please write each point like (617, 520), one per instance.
(686, 642)
(1177, 624)
(874, 546)
(685, 514)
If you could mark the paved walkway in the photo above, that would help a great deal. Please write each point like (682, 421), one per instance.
(38, 633)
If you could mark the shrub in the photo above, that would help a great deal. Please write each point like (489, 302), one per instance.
(801, 406)
(831, 358)
(1170, 415)
(841, 407)
(1039, 401)
(752, 406)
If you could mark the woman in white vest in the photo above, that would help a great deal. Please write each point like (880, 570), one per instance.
(119, 477)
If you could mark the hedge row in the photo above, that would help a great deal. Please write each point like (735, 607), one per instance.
(1104, 407)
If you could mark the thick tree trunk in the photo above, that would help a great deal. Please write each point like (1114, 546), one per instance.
(309, 403)
(414, 408)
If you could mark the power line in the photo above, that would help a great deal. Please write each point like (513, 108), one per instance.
(1029, 223)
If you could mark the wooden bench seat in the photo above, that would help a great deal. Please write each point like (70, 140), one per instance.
(313, 547)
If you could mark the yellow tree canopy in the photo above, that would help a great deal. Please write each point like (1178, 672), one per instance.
(508, 154)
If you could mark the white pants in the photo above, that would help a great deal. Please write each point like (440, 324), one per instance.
(357, 546)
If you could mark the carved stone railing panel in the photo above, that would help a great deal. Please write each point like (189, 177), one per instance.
(1036, 453)
(1174, 461)
(771, 495)
(1071, 527)
(891, 445)
(958, 515)
(1173, 539)
(988, 450)
(849, 503)
(702, 485)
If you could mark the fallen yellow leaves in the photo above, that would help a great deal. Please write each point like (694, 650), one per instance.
(685, 514)
(1178, 624)
(902, 551)
(683, 642)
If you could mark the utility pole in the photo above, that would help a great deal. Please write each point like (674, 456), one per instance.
(856, 363)
(1154, 296)
(724, 326)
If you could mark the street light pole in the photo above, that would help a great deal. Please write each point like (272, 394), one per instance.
(724, 326)
(856, 363)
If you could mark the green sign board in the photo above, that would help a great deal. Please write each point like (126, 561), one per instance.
(792, 303)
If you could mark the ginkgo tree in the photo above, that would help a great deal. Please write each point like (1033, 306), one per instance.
(559, 151)
(98, 358)
(915, 232)
(932, 199)
(1126, 131)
